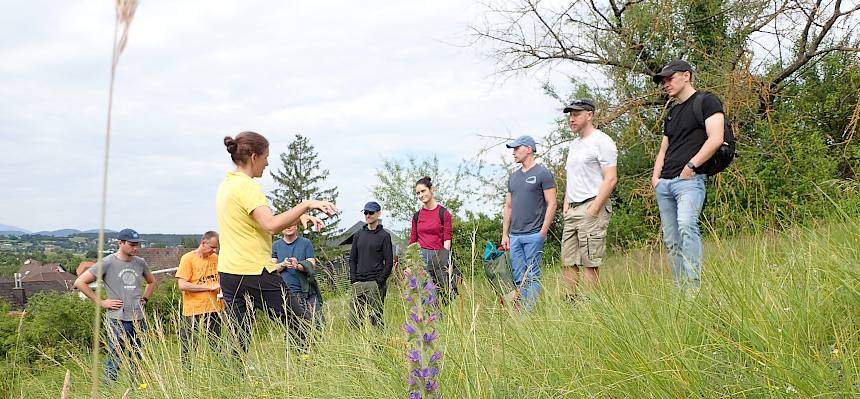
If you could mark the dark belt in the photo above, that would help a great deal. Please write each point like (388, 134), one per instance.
(576, 204)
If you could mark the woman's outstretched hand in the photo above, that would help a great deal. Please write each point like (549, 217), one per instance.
(314, 221)
(329, 208)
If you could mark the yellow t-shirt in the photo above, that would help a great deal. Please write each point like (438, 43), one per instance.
(203, 271)
(245, 247)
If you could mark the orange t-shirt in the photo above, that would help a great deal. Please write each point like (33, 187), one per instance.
(203, 271)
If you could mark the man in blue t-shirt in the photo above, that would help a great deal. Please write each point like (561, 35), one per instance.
(529, 209)
(297, 265)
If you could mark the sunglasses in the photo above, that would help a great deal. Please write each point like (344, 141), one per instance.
(369, 212)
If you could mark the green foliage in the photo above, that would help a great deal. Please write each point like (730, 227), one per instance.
(54, 323)
(300, 178)
(470, 184)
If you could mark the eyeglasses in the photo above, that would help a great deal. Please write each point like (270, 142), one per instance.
(366, 212)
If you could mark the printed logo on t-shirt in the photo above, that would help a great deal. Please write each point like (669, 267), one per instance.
(531, 179)
(129, 278)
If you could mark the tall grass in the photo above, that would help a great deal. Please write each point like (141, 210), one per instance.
(777, 316)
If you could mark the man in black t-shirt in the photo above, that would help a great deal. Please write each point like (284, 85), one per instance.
(680, 191)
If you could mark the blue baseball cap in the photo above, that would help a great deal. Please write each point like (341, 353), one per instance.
(525, 140)
(372, 206)
(129, 235)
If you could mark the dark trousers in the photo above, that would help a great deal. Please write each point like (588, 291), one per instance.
(267, 292)
(368, 302)
(206, 326)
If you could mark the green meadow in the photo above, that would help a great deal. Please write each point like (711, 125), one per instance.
(778, 315)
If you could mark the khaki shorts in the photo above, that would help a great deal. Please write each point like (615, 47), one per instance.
(583, 242)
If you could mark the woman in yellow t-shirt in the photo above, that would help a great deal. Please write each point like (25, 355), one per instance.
(247, 224)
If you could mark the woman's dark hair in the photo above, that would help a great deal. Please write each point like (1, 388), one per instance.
(245, 144)
(425, 181)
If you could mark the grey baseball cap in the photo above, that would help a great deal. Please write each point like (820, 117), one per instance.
(525, 140)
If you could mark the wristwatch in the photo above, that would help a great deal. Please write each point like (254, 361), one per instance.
(691, 165)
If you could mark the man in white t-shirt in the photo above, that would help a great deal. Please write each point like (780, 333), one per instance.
(591, 177)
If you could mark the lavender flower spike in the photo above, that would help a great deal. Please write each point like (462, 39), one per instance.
(430, 337)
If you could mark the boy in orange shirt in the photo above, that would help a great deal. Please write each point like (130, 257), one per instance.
(197, 278)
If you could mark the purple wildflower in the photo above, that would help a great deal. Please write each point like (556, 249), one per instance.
(429, 287)
(415, 318)
(413, 283)
(409, 328)
(430, 300)
(410, 379)
(432, 317)
(414, 395)
(435, 357)
(430, 337)
(431, 386)
(414, 356)
(429, 372)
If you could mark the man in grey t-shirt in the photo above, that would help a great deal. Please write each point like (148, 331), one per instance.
(529, 209)
(122, 274)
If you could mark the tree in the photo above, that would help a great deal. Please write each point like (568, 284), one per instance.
(785, 69)
(300, 178)
(471, 184)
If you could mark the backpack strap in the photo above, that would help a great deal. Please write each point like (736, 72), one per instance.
(415, 223)
(697, 108)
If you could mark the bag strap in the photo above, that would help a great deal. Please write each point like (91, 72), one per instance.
(697, 108)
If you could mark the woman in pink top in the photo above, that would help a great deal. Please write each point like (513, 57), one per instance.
(431, 229)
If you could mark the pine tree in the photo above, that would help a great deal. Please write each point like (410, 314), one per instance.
(300, 178)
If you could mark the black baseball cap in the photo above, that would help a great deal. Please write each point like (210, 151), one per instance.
(580, 105)
(672, 67)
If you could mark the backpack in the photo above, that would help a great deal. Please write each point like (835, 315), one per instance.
(444, 272)
(726, 153)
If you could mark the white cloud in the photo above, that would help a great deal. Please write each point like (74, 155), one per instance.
(362, 80)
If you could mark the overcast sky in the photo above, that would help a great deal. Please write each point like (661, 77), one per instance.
(362, 80)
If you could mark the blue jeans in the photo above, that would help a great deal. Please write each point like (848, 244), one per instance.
(526, 252)
(122, 337)
(680, 202)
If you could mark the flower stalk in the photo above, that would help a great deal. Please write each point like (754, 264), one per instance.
(422, 354)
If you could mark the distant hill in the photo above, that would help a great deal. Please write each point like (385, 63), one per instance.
(58, 233)
(96, 231)
(6, 229)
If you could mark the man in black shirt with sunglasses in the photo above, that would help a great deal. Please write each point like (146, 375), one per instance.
(370, 262)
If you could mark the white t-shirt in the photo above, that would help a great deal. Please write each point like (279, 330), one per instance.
(585, 160)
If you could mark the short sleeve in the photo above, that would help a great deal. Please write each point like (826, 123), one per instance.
(94, 269)
(509, 182)
(310, 249)
(146, 271)
(252, 197)
(607, 153)
(711, 105)
(547, 179)
(184, 269)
